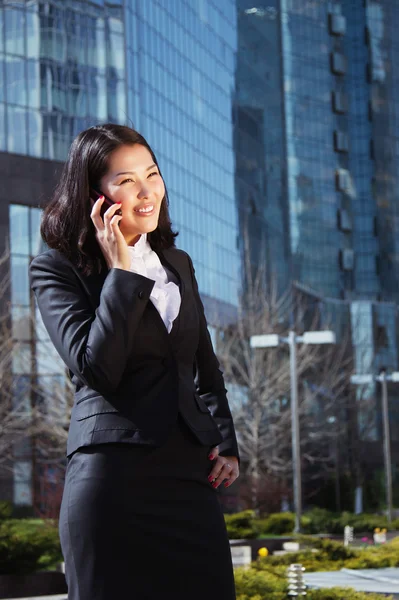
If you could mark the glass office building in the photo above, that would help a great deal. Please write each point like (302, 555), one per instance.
(316, 164)
(165, 68)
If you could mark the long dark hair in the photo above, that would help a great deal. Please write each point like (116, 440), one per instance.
(66, 223)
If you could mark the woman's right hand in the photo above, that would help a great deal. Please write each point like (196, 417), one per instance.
(109, 237)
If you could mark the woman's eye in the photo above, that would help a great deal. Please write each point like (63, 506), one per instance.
(154, 173)
(124, 181)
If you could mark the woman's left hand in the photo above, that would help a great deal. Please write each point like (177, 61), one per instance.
(224, 468)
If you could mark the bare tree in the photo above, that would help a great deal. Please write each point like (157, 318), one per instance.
(14, 408)
(262, 408)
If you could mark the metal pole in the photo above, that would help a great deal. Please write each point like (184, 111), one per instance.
(296, 451)
(387, 444)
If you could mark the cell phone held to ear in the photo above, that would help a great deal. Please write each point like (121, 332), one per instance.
(95, 195)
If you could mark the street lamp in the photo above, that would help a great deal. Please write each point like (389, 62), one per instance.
(383, 378)
(272, 340)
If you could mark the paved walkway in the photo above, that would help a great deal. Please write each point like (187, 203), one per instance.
(383, 581)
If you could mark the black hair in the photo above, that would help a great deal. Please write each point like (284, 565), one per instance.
(66, 223)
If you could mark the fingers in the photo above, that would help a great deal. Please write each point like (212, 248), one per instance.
(111, 219)
(96, 214)
(109, 222)
(214, 453)
(225, 468)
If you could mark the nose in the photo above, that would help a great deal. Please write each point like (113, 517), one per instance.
(144, 191)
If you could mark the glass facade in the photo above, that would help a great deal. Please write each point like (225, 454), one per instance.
(316, 169)
(312, 160)
(382, 19)
(258, 139)
(36, 367)
(165, 68)
(361, 164)
(180, 78)
(62, 69)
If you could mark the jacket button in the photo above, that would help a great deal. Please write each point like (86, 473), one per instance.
(141, 294)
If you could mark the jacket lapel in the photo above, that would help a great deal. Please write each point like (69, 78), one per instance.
(94, 283)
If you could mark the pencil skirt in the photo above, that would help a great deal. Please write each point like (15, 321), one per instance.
(144, 523)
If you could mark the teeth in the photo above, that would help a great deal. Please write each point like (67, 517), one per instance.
(145, 210)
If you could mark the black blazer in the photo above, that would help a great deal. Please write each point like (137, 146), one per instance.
(131, 377)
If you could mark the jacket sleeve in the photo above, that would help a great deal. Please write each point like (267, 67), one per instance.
(209, 380)
(93, 345)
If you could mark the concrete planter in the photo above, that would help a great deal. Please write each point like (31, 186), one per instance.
(45, 583)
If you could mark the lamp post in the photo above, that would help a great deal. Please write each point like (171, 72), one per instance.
(383, 378)
(273, 340)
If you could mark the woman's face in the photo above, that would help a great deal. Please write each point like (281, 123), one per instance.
(134, 180)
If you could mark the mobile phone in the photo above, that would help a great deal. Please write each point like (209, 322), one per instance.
(95, 195)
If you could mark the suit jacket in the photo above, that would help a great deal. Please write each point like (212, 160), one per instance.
(131, 376)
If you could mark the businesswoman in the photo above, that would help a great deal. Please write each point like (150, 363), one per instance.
(151, 435)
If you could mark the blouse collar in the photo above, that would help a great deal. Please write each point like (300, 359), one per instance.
(141, 247)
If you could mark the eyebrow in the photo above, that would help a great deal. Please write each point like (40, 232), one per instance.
(134, 172)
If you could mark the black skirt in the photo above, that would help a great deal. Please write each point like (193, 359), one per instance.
(144, 523)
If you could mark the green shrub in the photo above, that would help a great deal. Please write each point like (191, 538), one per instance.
(27, 546)
(253, 585)
(332, 556)
(362, 523)
(320, 520)
(242, 525)
(5, 509)
(278, 523)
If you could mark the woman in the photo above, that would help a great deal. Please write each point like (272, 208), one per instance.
(151, 435)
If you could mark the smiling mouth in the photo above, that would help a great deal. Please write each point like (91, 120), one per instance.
(145, 211)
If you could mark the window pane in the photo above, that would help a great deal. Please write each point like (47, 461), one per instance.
(116, 54)
(37, 244)
(2, 75)
(32, 34)
(40, 330)
(116, 101)
(97, 47)
(16, 80)
(21, 322)
(35, 133)
(19, 229)
(3, 142)
(33, 79)
(14, 31)
(1, 31)
(48, 360)
(19, 280)
(98, 97)
(17, 138)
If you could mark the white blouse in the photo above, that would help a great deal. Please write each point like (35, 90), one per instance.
(165, 294)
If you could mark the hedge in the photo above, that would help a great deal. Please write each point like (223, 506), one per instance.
(245, 524)
(333, 556)
(27, 546)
